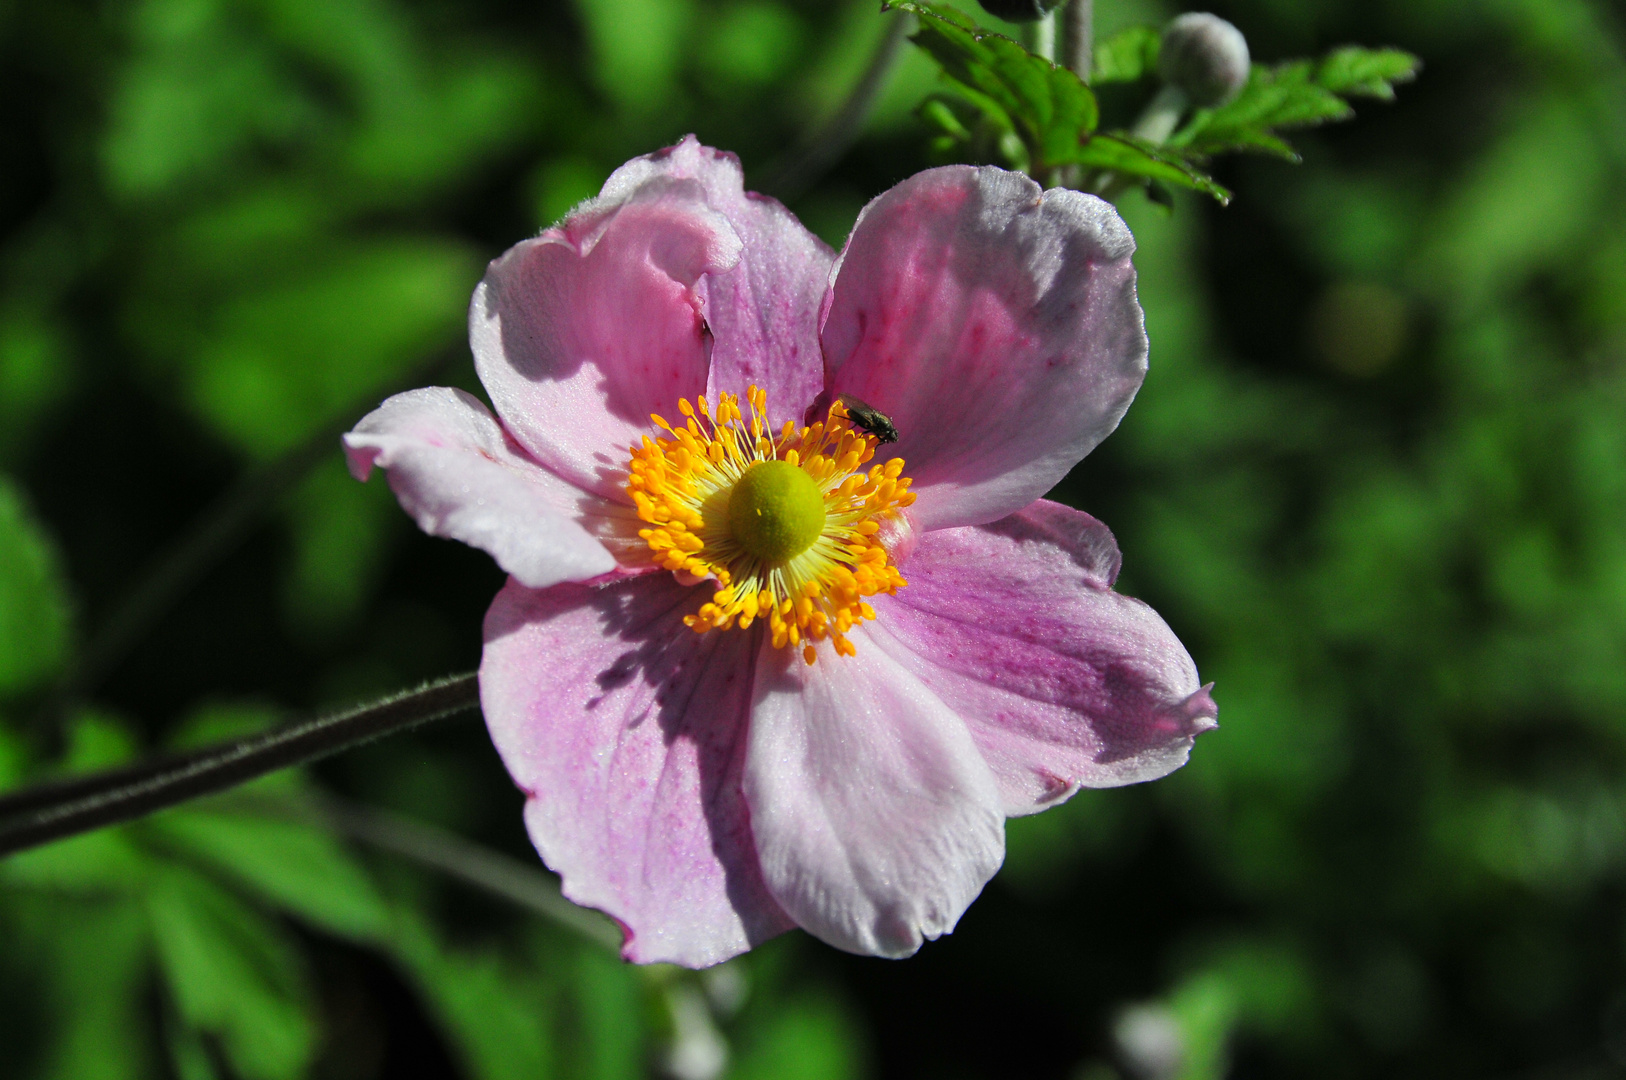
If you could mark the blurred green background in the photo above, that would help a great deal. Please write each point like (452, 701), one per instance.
(1376, 481)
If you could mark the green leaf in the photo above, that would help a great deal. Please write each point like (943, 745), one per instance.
(1049, 107)
(35, 622)
(233, 974)
(1356, 72)
(1127, 55)
(1274, 98)
(1123, 153)
(296, 867)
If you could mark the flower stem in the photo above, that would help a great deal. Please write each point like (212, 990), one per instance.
(56, 810)
(1040, 36)
(1077, 37)
(797, 172)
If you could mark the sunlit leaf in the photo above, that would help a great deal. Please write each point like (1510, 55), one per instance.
(1356, 72)
(1275, 98)
(1121, 152)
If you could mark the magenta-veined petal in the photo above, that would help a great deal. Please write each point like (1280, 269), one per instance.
(626, 730)
(996, 325)
(876, 820)
(764, 313)
(1062, 682)
(459, 475)
(581, 333)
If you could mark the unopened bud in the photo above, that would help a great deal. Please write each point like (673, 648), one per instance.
(1205, 56)
(1019, 10)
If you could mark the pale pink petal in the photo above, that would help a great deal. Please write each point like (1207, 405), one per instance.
(626, 730)
(764, 313)
(459, 475)
(996, 325)
(581, 333)
(1062, 682)
(876, 820)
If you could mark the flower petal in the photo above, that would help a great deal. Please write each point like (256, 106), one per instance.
(764, 313)
(876, 820)
(996, 325)
(1062, 682)
(459, 475)
(581, 333)
(626, 730)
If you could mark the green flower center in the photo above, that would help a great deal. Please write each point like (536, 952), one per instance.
(775, 511)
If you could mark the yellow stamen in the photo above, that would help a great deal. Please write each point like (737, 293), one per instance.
(682, 481)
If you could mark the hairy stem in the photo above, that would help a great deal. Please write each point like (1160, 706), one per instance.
(803, 167)
(53, 811)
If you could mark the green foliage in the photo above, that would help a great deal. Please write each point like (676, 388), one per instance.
(1295, 95)
(1048, 107)
(35, 615)
(1374, 480)
(1054, 116)
(232, 976)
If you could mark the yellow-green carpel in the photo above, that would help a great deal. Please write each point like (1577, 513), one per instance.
(775, 511)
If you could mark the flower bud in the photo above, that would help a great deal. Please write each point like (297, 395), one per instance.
(1019, 10)
(1204, 56)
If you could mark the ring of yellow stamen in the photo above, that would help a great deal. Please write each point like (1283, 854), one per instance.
(785, 525)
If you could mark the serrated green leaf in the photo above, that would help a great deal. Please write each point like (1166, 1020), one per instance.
(233, 974)
(1121, 152)
(294, 866)
(1048, 106)
(1127, 55)
(1356, 72)
(34, 608)
(1284, 96)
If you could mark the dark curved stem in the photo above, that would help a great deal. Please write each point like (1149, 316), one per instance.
(803, 167)
(53, 811)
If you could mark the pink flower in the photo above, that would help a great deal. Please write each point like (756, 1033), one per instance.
(890, 659)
